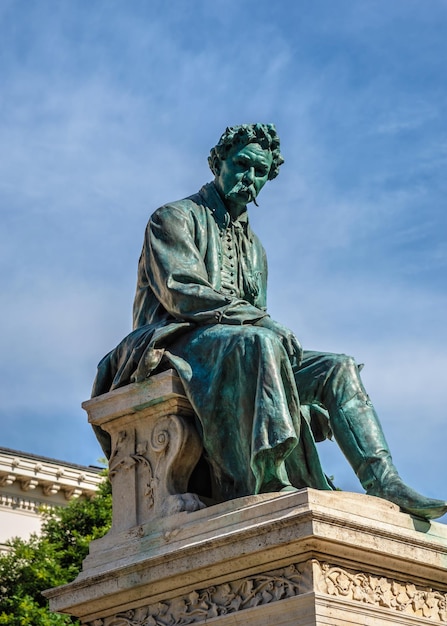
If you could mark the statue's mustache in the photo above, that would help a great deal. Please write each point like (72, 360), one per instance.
(240, 186)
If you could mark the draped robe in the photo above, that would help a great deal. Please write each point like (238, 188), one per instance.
(202, 281)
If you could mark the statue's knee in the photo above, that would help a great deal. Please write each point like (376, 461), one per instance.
(256, 342)
(345, 364)
(259, 334)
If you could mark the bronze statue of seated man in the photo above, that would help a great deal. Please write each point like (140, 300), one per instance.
(200, 308)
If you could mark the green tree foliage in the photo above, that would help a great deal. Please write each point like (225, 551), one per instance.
(50, 559)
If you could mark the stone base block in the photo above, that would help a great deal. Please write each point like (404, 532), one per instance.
(154, 449)
(303, 559)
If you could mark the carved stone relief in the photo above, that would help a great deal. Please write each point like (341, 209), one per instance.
(383, 592)
(231, 597)
(216, 600)
(150, 466)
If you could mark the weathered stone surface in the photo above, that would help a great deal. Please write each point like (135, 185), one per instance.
(403, 599)
(306, 558)
(155, 447)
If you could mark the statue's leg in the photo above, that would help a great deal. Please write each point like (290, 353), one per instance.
(334, 381)
(240, 382)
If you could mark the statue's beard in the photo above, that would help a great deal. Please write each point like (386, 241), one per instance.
(242, 187)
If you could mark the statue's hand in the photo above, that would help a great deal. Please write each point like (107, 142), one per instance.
(289, 341)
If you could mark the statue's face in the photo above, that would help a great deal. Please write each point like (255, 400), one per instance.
(243, 174)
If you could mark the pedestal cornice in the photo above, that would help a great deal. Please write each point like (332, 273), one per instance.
(251, 536)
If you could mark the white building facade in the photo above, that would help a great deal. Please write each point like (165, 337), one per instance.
(30, 483)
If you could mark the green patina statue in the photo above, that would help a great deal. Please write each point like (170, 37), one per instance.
(261, 401)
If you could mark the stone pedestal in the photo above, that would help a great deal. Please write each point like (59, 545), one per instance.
(155, 448)
(303, 559)
(311, 558)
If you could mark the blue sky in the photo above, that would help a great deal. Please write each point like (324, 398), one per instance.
(109, 109)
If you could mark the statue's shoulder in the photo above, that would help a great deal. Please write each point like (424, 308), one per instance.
(187, 207)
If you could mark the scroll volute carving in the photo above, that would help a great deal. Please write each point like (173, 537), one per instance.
(176, 447)
(150, 467)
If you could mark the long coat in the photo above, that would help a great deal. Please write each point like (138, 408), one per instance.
(202, 282)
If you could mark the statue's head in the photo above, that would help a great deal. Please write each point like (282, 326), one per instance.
(246, 157)
(237, 137)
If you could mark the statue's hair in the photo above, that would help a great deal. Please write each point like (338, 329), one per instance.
(239, 137)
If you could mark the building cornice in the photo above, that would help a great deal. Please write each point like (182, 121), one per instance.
(30, 478)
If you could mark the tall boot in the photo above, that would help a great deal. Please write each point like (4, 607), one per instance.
(359, 434)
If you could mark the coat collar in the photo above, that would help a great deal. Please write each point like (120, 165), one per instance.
(220, 213)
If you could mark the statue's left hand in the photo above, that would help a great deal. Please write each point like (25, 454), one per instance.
(290, 342)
